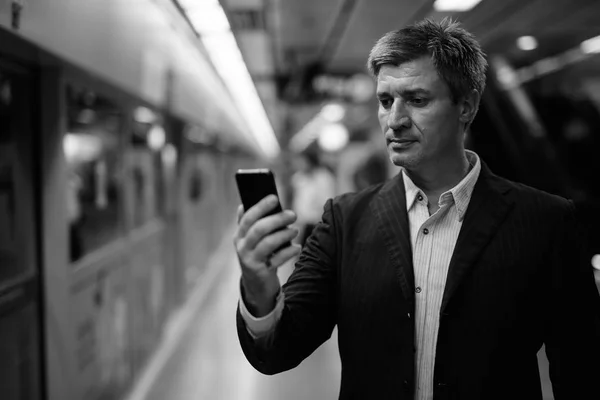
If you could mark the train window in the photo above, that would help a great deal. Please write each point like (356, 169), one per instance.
(92, 150)
(145, 169)
(18, 355)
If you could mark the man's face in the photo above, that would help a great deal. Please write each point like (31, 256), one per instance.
(421, 124)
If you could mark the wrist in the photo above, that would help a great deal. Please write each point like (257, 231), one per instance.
(260, 296)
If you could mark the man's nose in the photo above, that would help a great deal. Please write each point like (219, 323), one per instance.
(398, 117)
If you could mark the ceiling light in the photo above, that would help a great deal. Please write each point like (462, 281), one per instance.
(596, 262)
(455, 5)
(527, 43)
(210, 21)
(591, 45)
(144, 115)
(333, 112)
(333, 137)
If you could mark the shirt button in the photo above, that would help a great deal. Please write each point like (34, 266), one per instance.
(425, 231)
(418, 289)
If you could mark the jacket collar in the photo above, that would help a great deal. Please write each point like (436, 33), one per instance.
(487, 208)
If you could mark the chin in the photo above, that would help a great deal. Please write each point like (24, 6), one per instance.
(403, 160)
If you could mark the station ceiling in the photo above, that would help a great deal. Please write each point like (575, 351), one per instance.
(334, 37)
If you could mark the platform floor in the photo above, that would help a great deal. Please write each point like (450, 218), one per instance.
(203, 359)
(207, 361)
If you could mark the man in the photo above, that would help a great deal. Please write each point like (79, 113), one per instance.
(443, 282)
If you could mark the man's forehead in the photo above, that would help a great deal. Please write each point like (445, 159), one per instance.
(415, 66)
(411, 72)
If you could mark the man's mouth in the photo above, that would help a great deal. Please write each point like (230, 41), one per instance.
(400, 143)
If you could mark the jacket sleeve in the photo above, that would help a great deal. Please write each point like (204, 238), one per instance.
(309, 313)
(572, 334)
(262, 326)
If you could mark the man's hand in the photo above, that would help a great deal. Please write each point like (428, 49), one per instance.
(256, 239)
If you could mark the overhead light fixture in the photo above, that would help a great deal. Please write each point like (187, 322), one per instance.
(455, 5)
(527, 43)
(584, 50)
(333, 112)
(591, 46)
(144, 115)
(210, 21)
(207, 16)
(333, 137)
(596, 262)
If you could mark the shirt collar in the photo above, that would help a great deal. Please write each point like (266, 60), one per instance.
(411, 190)
(460, 194)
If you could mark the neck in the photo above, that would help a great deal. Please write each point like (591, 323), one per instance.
(441, 176)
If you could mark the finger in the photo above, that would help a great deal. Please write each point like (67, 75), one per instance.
(267, 226)
(284, 255)
(240, 213)
(257, 211)
(270, 243)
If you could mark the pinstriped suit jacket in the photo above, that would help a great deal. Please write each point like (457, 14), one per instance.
(516, 280)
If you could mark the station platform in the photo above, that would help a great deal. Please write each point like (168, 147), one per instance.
(200, 356)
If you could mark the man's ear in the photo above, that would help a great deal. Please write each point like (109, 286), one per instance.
(469, 105)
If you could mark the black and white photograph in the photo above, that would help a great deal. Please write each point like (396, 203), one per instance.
(299, 199)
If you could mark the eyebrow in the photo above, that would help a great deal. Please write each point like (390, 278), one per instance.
(405, 93)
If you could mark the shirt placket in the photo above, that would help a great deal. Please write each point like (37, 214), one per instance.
(423, 251)
(430, 319)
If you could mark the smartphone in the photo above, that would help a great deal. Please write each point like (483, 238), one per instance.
(253, 186)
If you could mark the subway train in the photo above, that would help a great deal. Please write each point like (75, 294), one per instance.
(118, 147)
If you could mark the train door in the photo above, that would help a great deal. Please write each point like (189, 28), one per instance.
(20, 353)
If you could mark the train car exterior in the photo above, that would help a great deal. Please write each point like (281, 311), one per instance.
(117, 150)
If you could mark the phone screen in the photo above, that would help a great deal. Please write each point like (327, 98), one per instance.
(254, 185)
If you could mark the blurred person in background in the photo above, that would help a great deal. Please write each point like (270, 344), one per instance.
(443, 282)
(312, 185)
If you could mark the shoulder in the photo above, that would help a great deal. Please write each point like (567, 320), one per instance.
(349, 203)
(532, 200)
(351, 213)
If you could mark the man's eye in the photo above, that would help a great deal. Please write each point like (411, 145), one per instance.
(385, 103)
(418, 101)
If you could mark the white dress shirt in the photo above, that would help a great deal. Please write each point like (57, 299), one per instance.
(433, 238)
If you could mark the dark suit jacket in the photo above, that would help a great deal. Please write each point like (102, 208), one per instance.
(516, 280)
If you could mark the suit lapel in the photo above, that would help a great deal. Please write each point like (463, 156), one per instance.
(487, 209)
(390, 210)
